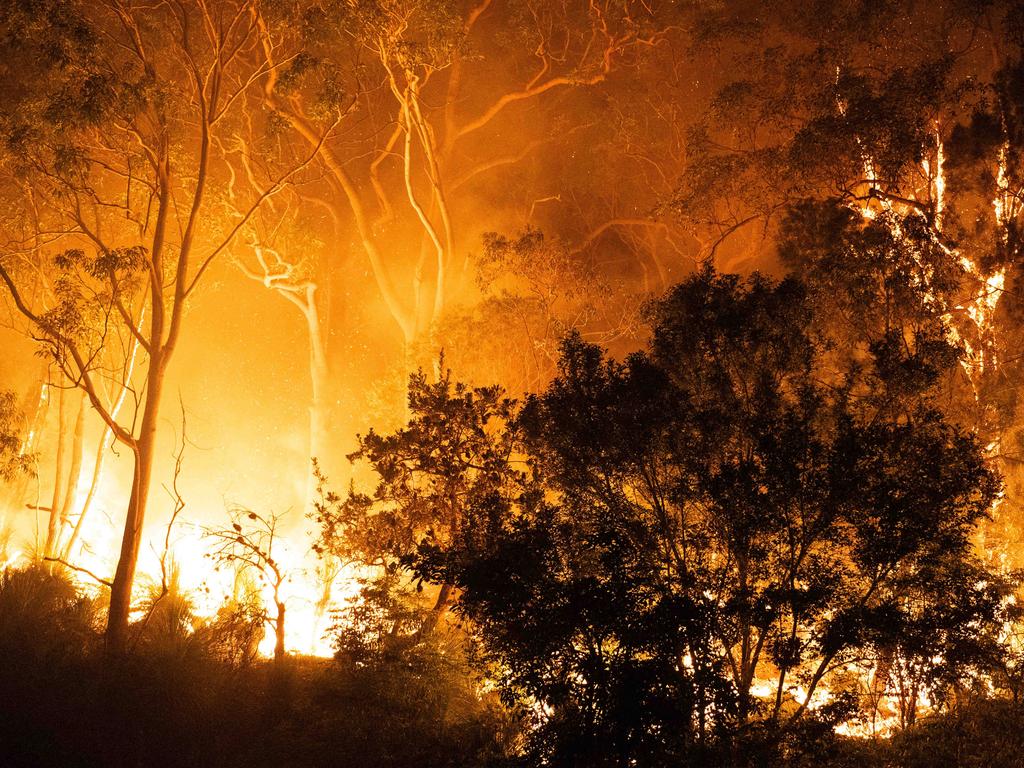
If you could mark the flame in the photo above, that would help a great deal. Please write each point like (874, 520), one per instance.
(982, 306)
(1004, 204)
(936, 177)
(208, 588)
(12, 560)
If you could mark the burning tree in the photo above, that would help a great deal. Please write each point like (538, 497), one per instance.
(918, 132)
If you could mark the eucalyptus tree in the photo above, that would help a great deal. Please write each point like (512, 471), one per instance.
(907, 115)
(435, 94)
(454, 450)
(444, 109)
(111, 113)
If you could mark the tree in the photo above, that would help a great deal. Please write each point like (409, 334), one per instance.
(301, 279)
(534, 291)
(884, 289)
(109, 127)
(726, 483)
(453, 452)
(834, 102)
(893, 125)
(249, 544)
(440, 104)
(905, 115)
(408, 175)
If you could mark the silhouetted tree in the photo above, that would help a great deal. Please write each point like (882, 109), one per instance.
(717, 512)
(248, 544)
(430, 473)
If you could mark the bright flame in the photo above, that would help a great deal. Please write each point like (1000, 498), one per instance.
(208, 588)
(1004, 203)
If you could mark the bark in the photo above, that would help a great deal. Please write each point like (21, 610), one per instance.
(319, 406)
(97, 473)
(444, 599)
(279, 652)
(74, 471)
(57, 500)
(124, 576)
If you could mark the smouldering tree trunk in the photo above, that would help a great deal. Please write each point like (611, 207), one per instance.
(279, 648)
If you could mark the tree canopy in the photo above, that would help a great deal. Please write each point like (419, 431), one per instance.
(677, 553)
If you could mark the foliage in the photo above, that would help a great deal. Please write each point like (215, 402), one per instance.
(42, 615)
(885, 290)
(828, 100)
(534, 291)
(12, 460)
(709, 512)
(169, 619)
(381, 622)
(978, 733)
(234, 635)
(453, 451)
(64, 702)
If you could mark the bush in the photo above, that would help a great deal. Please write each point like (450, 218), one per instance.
(185, 698)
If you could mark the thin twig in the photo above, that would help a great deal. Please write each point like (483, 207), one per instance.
(79, 569)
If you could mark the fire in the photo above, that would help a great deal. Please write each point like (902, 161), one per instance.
(1005, 204)
(209, 588)
(206, 586)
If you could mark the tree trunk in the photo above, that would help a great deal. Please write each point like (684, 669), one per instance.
(279, 653)
(319, 406)
(327, 572)
(124, 577)
(97, 473)
(880, 682)
(57, 499)
(444, 598)
(74, 472)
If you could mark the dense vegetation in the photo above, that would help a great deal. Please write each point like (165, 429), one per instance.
(712, 457)
(622, 558)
